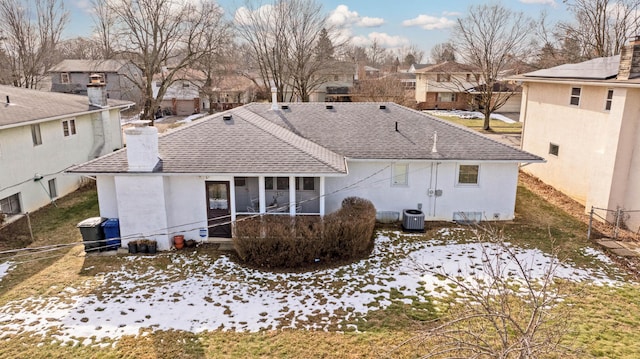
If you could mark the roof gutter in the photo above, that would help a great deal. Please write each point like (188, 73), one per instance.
(74, 114)
(580, 82)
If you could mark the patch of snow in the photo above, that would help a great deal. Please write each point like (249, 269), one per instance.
(5, 268)
(197, 292)
(471, 114)
(191, 118)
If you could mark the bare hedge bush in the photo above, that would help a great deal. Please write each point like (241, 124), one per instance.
(285, 242)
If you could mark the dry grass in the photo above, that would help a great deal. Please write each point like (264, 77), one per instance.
(604, 323)
(477, 124)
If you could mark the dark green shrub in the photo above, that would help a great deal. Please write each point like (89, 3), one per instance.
(285, 242)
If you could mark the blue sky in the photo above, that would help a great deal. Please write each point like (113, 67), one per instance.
(394, 24)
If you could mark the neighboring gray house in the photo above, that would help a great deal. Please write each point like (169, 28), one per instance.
(72, 76)
(301, 159)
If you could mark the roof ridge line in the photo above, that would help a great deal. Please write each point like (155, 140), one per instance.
(273, 129)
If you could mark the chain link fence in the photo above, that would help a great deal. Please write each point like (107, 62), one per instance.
(613, 224)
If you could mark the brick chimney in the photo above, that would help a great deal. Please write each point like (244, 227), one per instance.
(142, 147)
(96, 90)
(630, 60)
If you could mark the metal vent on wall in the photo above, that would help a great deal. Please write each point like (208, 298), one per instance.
(467, 217)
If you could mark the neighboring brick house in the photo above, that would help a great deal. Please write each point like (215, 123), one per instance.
(584, 119)
(444, 85)
(42, 134)
(119, 76)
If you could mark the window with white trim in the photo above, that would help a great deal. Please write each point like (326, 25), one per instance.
(305, 183)
(64, 78)
(400, 174)
(575, 96)
(468, 174)
(607, 105)
(443, 78)
(69, 127)
(276, 183)
(36, 136)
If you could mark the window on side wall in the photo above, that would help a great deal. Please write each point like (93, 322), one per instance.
(69, 127)
(36, 136)
(400, 174)
(64, 77)
(11, 204)
(468, 174)
(554, 149)
(607, 105)
(53, 190)
(305, 183)
(575, 96)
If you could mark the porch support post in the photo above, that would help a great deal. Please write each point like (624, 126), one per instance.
(261, 195)
(292, 196)
(321, 199)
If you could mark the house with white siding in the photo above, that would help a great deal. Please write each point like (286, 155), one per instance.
(44, 133)
(583, 118)
(301, 159)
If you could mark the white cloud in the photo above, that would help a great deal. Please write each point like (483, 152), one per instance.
(451, 13)
(541, 2)
(370, 21)
(429, 22)
(384, 40)
(343, 17)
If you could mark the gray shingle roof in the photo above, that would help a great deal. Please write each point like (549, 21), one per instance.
(244, 144)
(362, 130)
(89, 66)
(31, 105)
(601, 68)
(308, 138)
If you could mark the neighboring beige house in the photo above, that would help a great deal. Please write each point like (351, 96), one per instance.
(445, 85)
(120, 77)
(583, 118)
(183, 95)
(42, 134)
(338, 85)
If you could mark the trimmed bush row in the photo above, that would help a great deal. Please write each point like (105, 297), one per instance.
(286, 242)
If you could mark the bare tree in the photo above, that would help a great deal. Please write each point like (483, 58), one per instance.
(410, 55)
(217, 61)
(162, 37)
(282, 38)
(508, 310)
(489, 38)
(384, 89)
(30, 39)
(443, 52)
(601, 27)
(104, 22)
(79, 48)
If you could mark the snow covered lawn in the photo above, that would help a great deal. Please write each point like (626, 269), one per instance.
(196, 291)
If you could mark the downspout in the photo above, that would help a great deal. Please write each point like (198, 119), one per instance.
(435, 197)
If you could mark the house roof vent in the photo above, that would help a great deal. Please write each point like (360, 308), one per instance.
(285, 107)
(329, 107)
(226, 117)
(383, 107)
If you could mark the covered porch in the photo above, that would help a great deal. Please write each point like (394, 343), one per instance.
(279, 195)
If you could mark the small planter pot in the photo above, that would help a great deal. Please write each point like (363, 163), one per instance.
(133, 247)
(178, 241)
(142, 248)
(152, 247)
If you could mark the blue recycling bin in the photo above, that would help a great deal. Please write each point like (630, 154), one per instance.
(111, 228)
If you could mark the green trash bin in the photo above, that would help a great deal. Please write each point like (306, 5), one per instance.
(93, 234)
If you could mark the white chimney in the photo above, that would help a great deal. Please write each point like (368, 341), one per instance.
(96, 90)
(142, 146)
(274, 98)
